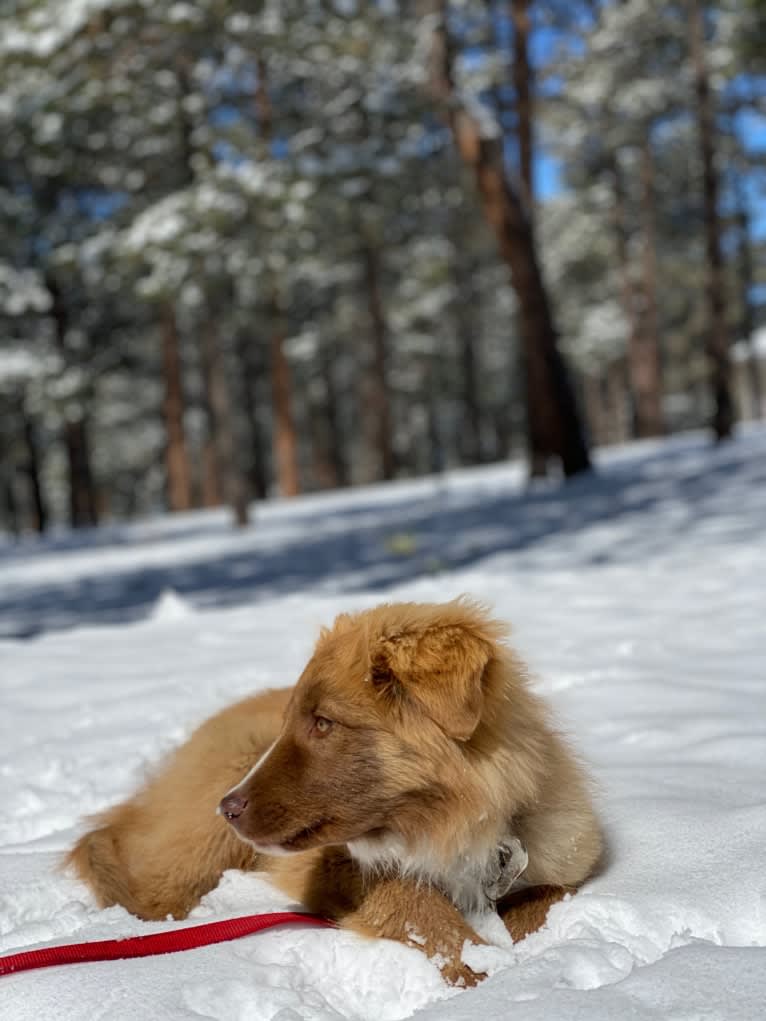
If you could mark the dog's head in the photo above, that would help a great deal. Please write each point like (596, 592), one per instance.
(380, 720)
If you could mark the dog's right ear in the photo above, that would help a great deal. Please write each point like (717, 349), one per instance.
(438, 670)
(383, 678)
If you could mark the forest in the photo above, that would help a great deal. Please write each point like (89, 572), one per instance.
(254, 249)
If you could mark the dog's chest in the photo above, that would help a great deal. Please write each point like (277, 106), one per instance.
(471, 881)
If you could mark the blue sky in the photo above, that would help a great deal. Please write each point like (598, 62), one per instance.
(752, 128)
(547, 172)
(544, 41)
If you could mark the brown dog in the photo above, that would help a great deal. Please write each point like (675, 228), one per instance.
(388, 790)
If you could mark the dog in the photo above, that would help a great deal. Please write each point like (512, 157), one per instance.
(409, 777)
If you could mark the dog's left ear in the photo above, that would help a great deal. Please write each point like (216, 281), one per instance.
(440, 669)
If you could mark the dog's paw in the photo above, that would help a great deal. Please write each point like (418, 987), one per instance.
(457, 973)
(505, 867)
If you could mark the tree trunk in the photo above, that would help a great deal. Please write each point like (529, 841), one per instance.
(644, 347)
(618, 400)
(747, 324)
(629, 297)
(470, 437)
(378, 412)
(324, 474)
(469, 440)
(83, 511)
(39, 509)
(173, 405)
(598, 427)
(523, 86)
(217, 392)
(210, 491)
(620, 225)
(209, 487)
(323, 471)
(503, 429)
(211, 483)
(264, 111)
(285, 438)
(253, 372)
(9, 507)
(436, 452)
(718, 339)
(336, 452)
(322, 427)
(554, 424)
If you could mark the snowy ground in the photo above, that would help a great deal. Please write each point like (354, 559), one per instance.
(639, 600)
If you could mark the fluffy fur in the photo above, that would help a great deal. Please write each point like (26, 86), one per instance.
(376, 791)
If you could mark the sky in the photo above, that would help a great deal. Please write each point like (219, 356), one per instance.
(753, 133)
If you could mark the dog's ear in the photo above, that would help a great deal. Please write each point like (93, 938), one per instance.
(440, 669)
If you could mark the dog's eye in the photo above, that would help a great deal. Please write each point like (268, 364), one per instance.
(322, 725)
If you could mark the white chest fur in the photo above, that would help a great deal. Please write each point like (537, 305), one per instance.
(471, 880)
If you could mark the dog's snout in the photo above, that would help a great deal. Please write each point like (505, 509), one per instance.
(232, 806)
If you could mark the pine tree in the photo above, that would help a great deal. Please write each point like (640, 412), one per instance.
(553, 423)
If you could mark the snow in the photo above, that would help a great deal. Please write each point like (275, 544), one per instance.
(742, 351)
(638, 599)
(21, 291)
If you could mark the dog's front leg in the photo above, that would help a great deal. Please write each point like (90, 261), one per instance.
(525, 911)
(419, 916)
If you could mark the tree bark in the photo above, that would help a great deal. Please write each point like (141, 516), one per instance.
(470, 445)
(210, 491)
(217, 391)
(640, 310)
(9, 507)
(747, 322)
(285, 438)
(83, 510)
(523, 86)
(436, 441)
(598, 428)
(470, 437)
(284, 435)
(173, 405)
(253, 372)
(644, 346)
(618, 397)
(339, 472)
(554, 423)
(718, 338)
(262, 100)
(39, 508)
(620, 225)
(209, 488)
(324, 473)
(522, 73)
(503, 429)
(378, 412)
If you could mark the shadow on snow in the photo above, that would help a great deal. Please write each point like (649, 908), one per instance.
(640, 504)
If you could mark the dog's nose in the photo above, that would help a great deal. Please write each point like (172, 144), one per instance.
(232, 806)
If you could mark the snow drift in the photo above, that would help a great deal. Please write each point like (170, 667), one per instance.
(638, 599)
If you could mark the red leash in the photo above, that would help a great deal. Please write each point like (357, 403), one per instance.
(155, 943)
